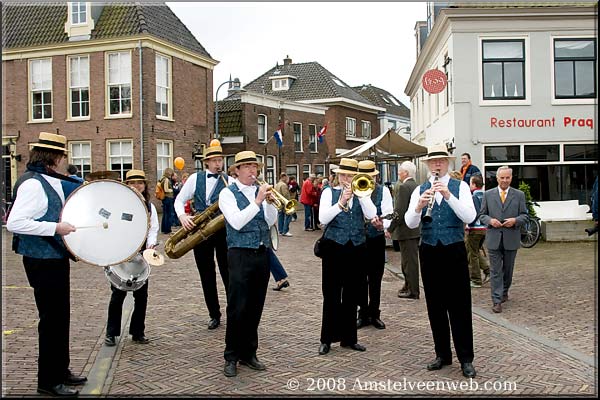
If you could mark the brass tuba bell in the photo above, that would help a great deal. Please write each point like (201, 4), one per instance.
(362, 185)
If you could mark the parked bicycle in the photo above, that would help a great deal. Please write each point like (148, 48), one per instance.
(531, 230)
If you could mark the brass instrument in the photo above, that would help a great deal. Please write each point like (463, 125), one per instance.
(362, 185)
(280, 202)
(207, 223)
(427, 217)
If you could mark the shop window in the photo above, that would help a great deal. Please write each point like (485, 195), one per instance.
(574, 68)
(497, 154)
(503, 69)
(541, 153)
(581, 152)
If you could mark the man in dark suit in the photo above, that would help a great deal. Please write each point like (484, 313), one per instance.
(408, 238)
(503, 210)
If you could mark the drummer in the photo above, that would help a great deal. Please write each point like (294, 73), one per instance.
(34, 220)
(137, 180)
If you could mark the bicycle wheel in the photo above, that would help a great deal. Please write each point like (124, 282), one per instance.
(530, 233)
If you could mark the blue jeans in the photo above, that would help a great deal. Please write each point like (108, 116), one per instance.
(283, 222)
(168, 217)
(276, 268)
(308, 217)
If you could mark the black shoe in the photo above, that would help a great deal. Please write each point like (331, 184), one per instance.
(468, 370)
(230, 368)
(406, 295)
(110, 341)
(438, 364)
(74, 379)
(214, 323)
(282, 285)
(355, 346)
(58, 390)
(254, 364)
(141, 339)
(324, 348)
(360, 322)
(377, 323)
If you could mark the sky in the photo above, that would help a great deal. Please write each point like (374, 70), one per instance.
(359, 42)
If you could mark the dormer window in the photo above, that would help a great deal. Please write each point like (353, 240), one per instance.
(279, 83)
(78, 13)
(80, 23)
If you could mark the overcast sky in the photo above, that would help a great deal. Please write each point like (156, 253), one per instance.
(360, 43)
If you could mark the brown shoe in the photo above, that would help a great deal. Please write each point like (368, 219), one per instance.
(497, 308)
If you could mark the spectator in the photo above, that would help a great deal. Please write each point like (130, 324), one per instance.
(293, 186)
(307, 197)
(475, 236)
(73, 173)
(168, 202)
(468, 169)
(283, 220)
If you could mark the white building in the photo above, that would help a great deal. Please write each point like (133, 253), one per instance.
(522, 91)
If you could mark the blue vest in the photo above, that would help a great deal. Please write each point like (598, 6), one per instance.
(446, 227)
(477, 200)
(252, 235)
(44, 246)
(346, 226)
(377, 197)
(200, 193)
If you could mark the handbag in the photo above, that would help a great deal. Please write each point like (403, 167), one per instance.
(319, 248)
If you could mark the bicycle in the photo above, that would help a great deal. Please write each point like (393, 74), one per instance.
(531, 230)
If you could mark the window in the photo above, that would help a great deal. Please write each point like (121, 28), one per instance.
(366, 129)
(541, 153)
(280, 84)
(320, 170)
(297, 136)
(350, 127)
(305, 171)
(78, 12)
(120, 156)
(262, 128)
(581, 152)
(79, 86)
(40, 85)
(119, 83)
(292, 170)
(163, 86)
(80, 155)
(270, 170)
(498, 154)
(503, 69)
(164, 156)
(574, 68)
(312, 138)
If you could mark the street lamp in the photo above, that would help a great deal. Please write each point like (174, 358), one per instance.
(236, 87)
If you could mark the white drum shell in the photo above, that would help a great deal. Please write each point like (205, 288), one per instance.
(130, 275)
(109, 202)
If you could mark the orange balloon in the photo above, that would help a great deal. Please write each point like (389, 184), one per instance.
(214, 142)
(179, 163)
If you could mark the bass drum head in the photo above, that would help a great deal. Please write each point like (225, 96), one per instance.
(274, 234)
(130, 275)
(111, 219)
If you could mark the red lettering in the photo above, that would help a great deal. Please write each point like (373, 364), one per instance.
(566, 121)
(493, 121)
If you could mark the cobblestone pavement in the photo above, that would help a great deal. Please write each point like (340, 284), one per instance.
(544, 342)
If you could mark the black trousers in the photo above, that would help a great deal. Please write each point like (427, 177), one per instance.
(204, 254)
(342, 273)
(248, 281)
(49, 279)
(445, 274)
(409, 255)
(137, 325)
(371, 282)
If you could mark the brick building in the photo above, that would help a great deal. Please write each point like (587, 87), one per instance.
(128, 85)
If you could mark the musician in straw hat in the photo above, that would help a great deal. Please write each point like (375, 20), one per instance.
(443, 257)
(344, 257)
(34, 221)
(204, 187)
(137, 180)
(248, 218)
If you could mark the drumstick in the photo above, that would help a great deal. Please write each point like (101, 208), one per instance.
(104, 225)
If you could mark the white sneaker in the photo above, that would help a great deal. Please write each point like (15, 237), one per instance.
(288, 234)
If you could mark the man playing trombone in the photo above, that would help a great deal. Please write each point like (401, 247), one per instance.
(248, 218)
(204, 187)
(442, 206)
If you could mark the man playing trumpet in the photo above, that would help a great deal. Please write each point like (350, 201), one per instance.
(248, 217)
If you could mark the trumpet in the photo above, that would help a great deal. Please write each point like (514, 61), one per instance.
(427, 217)
(362, 185)
(280, 202)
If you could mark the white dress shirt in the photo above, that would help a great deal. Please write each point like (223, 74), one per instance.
(387, 206)
(189, 189)
(239, 218)
(31, 203)
(328, 211)
(463, 206)
(154, 225)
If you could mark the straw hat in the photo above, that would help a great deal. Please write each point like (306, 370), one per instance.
(347, 166)
(437, 151)
(135, 175)
(367, 167)
(212, 152)
(51, 141)
(246, 157)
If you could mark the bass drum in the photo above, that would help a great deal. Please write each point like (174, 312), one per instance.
(112, 222)
(130, 275)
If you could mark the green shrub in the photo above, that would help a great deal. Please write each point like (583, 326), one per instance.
(527, 190)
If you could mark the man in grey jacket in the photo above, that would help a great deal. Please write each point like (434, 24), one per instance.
(503, 210)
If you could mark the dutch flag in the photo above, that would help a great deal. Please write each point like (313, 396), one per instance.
(322, 133)
(279, 135)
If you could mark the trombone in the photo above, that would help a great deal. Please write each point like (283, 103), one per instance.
(362, 185)
(280, 202)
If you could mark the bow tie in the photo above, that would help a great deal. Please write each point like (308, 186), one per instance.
(212, 175)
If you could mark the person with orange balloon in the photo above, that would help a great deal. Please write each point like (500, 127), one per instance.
(204, 187)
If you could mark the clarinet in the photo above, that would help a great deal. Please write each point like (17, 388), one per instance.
(427, 217)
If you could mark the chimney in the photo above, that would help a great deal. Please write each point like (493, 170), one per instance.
(287, 60)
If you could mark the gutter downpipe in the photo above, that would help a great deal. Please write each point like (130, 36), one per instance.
(141, 114)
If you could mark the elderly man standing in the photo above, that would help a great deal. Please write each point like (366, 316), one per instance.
(443, 256)
(503, 210)
(408, 238)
